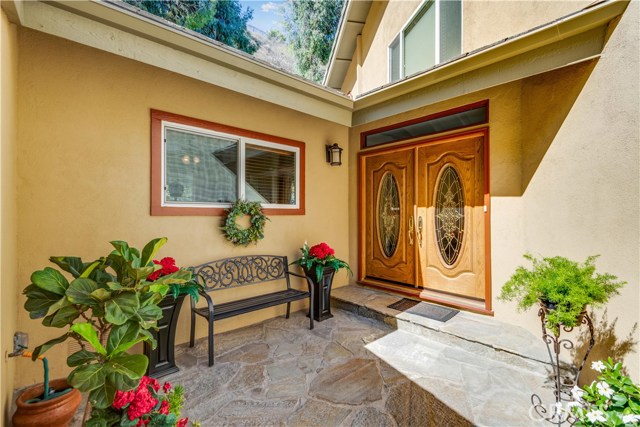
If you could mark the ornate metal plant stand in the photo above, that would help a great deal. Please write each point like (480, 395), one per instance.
(564, 382)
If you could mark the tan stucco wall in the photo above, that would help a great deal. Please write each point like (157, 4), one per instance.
(483, 23)
(84, 167)
(565, 168)
(8, 217)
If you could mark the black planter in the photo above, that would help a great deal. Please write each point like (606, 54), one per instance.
(321, 292)
(162, 359)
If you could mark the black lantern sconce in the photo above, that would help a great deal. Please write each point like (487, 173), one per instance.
(334, 155)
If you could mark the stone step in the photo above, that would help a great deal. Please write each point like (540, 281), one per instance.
(482, 369)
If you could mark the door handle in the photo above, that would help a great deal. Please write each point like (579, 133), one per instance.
(420, 231)
(411, 230)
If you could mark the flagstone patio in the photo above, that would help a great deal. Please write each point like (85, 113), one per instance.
(367, 366)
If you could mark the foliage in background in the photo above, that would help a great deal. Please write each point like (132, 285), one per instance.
(254, 233)
(221, 20)
(310, 27)
(566, 284)
(108, 307)
(318, 257)
(613, 400)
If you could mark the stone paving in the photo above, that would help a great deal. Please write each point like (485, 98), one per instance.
(367, 366)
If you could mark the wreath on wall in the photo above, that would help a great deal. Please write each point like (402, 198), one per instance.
(244, 236)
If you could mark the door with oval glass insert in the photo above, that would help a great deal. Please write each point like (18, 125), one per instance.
(388, 229)
(450, 217)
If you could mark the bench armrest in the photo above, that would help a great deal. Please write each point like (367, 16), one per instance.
(296, 274)
(309, 283)
(207, 298)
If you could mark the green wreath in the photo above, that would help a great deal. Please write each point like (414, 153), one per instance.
(254, 233)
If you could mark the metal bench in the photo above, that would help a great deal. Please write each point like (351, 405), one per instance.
(241, 271)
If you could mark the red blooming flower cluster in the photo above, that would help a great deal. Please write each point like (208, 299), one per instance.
(168, 266)
(321, 251)
(145, 403)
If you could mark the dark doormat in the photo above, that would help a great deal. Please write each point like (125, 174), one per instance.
(430, 311)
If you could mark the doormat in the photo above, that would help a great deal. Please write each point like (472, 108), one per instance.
(430, 311)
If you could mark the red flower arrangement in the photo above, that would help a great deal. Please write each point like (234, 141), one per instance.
(146, 404)
(317, 258)
(168, 266)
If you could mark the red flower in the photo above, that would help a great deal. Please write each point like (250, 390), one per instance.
(168, 266)
(143, 402)
(166, 387)
(182, 422)
(321, 251)
(122, 398)
(164, 407)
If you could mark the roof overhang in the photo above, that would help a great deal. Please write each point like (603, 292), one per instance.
(119, 29)
(354, 16)
(575, 38)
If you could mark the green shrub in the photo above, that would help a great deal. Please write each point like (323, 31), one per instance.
(568, 285)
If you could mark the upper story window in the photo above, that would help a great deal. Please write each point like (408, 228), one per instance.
(200, 168)
(432, 36)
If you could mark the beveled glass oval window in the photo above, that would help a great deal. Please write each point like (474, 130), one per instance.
(449, 215)
(388, 214)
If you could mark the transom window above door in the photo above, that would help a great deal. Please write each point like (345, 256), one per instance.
(432, 36)
(200, 168)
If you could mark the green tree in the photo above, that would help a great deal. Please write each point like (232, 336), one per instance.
(221, 20)
(310, 26)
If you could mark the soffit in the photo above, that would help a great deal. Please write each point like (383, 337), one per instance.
(354, 16)
(569, 40)
(122, 30)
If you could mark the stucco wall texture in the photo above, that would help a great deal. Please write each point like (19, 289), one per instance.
(84, 171)
(8, 211)
(483, 23)
(564, 165)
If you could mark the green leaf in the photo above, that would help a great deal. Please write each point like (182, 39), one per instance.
(80, 290)
(150, 313)
(41, 349)
(121, 308)
(123, 382)
(72, 265)
(159, 289)
(87, 377)
(150, 249)
(87, 272)
(122, 249)
(81, 357)
(133, 366)
(103, 395)
(148, 337)
(101, 295)
(86, 331)
(115, 286)
(139, 273)
(50, 280)
(39, 301)
(61, 317)
(123, 337)
(179, 277)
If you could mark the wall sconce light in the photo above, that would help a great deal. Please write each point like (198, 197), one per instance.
(334, 155)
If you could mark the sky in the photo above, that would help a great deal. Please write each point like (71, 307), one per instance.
(265, 13)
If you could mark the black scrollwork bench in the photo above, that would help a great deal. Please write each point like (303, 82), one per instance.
(240, 271)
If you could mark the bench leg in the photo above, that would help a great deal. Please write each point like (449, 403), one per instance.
(192, 334)
(288, 309)
(210, 341)
(310, 313)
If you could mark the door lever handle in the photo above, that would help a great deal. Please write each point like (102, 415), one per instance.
(411, 230)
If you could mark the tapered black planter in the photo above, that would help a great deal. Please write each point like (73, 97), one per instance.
(321, 292)
(162, 359)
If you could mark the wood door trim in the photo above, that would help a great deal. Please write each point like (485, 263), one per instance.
(362, 155)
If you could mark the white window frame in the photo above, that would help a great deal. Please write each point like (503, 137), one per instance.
(400, 36)
(241, 184)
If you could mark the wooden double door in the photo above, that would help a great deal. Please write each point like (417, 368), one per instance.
(423, 216)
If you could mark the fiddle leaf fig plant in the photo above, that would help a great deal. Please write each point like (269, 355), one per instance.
(107, 306)
(564, 287)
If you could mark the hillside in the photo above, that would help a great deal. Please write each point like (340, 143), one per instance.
(273, 51)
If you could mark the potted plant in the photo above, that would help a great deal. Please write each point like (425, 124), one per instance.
(108, 306)
(52, 403)
(562, 287)
(320, 265)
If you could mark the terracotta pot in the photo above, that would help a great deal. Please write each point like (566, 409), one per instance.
(56, 412)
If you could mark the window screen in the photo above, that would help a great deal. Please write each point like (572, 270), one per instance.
(200, 168)
(270, 175)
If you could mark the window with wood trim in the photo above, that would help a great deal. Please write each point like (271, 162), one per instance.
(200, 168)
